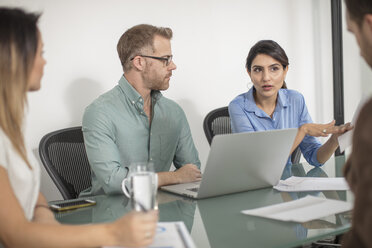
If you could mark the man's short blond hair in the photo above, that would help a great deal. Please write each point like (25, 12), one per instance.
(135, 39)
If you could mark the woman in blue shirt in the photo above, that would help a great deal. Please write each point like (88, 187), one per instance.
(270, 105)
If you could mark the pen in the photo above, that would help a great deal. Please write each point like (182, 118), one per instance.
(184, 242)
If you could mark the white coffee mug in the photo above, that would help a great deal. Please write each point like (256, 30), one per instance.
(141, 185)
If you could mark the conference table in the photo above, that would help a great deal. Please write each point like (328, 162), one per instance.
(218, 222)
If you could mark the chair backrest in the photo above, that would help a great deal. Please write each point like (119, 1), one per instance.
(218, 122)
(296, 155)
(63, 155)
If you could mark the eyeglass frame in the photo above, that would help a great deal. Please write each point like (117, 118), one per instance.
(167, 58)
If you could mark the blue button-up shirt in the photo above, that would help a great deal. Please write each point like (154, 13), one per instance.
(117, 133)
(290, 112)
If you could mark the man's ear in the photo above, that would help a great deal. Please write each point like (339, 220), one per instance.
(138, 63)
(368, 20)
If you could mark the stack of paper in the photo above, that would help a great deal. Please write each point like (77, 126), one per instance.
(301, 210)
(296, 184)
(171, 234)
(345, 139)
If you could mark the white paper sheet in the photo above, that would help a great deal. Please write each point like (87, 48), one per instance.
(301, 210)
(345, 140)
(170, 234)
(297, 184)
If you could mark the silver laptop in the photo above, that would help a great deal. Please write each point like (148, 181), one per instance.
(240, 162)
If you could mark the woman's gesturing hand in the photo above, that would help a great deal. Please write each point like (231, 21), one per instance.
(323, 130)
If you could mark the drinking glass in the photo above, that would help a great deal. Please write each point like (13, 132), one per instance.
(141, 185)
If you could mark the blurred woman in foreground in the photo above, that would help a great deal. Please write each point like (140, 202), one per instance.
(26, 220)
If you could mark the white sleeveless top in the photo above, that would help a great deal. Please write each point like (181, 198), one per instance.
(24, 181)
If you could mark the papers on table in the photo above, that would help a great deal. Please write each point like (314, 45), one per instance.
(345, 140)
(301, 210)
(297, 184)
(171, 235)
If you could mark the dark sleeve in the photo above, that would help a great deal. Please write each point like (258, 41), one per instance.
(358, 172)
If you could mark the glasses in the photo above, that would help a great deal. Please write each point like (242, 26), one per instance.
(167, 58)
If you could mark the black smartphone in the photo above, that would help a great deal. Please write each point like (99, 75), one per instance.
(70, 205)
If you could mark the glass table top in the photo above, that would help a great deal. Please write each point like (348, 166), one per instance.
(218, 221)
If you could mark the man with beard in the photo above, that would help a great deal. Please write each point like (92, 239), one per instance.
(358, 169)
(134, 123)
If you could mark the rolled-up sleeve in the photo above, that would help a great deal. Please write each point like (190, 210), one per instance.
(309, 148)
(103, 153)
(309, 145)
(186, 152)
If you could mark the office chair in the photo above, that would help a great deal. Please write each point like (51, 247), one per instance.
(63, 155)
(218, 122)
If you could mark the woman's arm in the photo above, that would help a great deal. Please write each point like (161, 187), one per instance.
(330, 146)
(311, 129)
(322, 130)
(42, 213)
(134, 229)
(327, 149)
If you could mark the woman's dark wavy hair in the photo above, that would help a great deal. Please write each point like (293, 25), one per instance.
(270, 48)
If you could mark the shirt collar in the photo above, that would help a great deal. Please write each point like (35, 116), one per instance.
(283, 98)
(133, 95)
(250, 103)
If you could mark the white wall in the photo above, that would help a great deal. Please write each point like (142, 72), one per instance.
(211, 41)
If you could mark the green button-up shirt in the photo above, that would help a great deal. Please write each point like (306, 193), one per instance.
(117, 133)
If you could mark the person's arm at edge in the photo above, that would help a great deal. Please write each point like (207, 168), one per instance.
(42, 213)
(41, 235)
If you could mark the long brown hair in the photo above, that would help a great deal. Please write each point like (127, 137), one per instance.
(18, 46)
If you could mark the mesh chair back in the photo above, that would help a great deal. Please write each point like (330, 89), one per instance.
(296, 155)
(64, 157)
(218, 122)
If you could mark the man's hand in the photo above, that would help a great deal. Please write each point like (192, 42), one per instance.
(188, 173)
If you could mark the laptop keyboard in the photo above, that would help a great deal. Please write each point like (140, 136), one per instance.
(196, 189)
